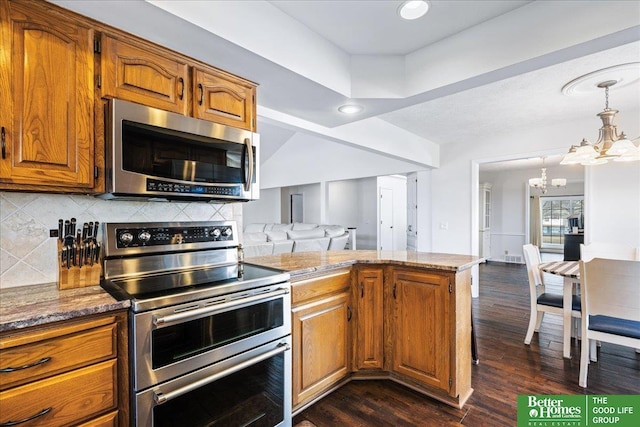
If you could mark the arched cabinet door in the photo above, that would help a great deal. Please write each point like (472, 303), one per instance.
(223, 98)
(46, 117)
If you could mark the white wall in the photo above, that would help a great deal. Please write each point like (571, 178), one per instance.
(613, 203)
(264, 210)
(311, 202)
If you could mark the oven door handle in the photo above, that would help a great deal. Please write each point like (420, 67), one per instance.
(185, 315)
(161, 397)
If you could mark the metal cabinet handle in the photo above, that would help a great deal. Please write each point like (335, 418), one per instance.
(15, 423)
(201, 98)
(4, 144)
(200, 312)
(161, 397)
(249, 172)
(349, 314)
(361, 290)
(181, 81)
(20, 368)
(394, 290)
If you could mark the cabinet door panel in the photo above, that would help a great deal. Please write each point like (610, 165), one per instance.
(222, 98)
(421, 317)
(137, 73)
(320, 334)
(48, 120)
(369, 303)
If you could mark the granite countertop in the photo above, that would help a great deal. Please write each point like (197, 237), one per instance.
(307, 263)
(26, 306)
(33, 305)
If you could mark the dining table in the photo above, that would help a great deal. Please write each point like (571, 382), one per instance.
(570, 272)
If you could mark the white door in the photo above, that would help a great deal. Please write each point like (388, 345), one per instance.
(412, 211)
(385, 230)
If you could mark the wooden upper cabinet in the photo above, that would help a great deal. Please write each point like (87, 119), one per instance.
(46, 114)
(223, 98)
(135, 71)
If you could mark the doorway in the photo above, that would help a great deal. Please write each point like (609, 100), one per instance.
(297, 208)
(385, 226)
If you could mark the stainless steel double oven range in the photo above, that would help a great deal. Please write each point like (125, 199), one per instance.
(210, 337)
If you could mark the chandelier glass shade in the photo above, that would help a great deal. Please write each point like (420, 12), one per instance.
(610, 144)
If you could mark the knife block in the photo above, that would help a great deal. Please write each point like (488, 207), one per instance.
(75, 276)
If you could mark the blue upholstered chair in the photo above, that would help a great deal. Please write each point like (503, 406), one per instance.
(610, 292)
(542, 302)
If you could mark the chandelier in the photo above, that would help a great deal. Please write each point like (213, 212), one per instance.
(610, 145)
(541, 183)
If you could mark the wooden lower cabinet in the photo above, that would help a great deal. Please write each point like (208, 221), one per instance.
(71, 373)
(409, 325)
(369, 307)
(420, 328)
(321, 335)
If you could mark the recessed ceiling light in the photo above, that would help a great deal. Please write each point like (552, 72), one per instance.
(413, 9)
(350, 108)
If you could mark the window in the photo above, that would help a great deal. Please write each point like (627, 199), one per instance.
(555, 214)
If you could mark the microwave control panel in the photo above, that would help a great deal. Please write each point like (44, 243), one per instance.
(178, 188)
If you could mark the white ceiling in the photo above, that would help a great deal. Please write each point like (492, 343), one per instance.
(466, 69)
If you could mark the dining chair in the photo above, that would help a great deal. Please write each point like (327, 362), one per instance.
(610, 307)
(542, 302)
(608, 250)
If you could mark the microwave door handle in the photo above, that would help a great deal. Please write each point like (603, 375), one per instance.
(248, 174)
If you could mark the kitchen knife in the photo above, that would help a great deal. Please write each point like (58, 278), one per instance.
(95, 229)
(90, 231)
(67, 227)
(68, 259)
(85, 231)
(73, 227)
(60, 230)
(63, 256)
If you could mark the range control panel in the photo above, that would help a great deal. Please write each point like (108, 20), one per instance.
(158, 238)
(161, 236)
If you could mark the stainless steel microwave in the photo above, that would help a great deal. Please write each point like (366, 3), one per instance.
(154, 154)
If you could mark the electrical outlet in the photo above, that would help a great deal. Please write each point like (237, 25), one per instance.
(506, 252)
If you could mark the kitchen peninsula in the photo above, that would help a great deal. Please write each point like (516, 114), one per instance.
(398, 315)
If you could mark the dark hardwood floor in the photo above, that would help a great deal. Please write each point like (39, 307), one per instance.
(507, 368)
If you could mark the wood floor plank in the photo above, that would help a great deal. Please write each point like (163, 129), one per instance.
(507, 368)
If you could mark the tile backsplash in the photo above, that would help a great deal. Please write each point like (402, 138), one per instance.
(28, 254)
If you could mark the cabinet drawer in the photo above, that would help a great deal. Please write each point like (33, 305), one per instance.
(66, 398)
(37, 360)
(310, 289)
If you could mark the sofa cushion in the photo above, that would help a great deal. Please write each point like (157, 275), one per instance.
(334, 230)
(297, 226)
(255, 228)
(306, 234)
(281, 227)
(254, 237)
(275, 236)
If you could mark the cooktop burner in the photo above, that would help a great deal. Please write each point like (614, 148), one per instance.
(159, 290)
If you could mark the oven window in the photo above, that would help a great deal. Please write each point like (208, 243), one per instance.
(253, 397)
(188, 339)
(168, 153)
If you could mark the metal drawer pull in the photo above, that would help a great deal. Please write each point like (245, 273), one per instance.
(39, 414)
(30, 365)
(4, 144)
(213, 308)
(161, 397)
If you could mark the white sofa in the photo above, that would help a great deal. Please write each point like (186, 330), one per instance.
(268, 239)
